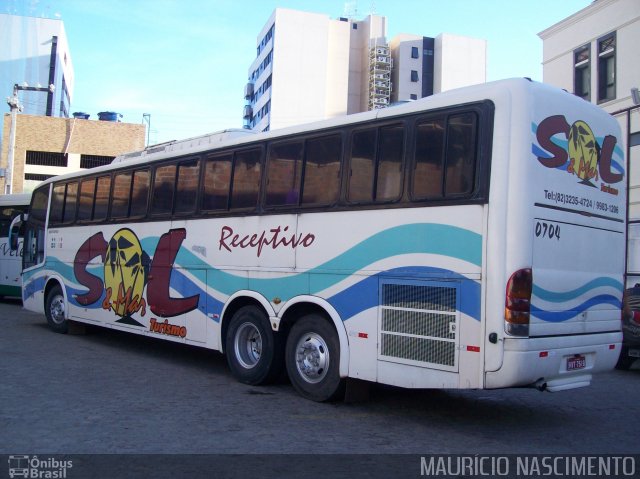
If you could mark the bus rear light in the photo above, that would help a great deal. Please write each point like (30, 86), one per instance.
(517, 307)
(544, 354)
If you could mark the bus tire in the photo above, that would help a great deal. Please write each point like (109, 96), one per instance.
(55, 311)
(254, 351)
(312, 356)
(624, 361)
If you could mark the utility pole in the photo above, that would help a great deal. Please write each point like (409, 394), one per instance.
(146, 118)
(15, 107)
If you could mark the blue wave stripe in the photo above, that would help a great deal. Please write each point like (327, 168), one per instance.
(364, 294)
(560, 297)
(423, 238)
(561, 316)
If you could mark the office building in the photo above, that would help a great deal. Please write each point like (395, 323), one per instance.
(310, 67)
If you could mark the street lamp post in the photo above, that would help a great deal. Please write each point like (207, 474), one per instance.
(15, 107)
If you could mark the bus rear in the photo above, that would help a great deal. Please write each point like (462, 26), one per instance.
(562, 248)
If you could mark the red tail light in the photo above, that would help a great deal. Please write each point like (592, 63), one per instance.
(517, 307)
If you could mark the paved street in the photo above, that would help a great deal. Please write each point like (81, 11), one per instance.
(109, 392)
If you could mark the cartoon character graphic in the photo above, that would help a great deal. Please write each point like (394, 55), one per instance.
(126, 269)
(583, 152)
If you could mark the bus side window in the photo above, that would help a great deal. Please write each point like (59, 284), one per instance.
(362, 166)
(429, 155)
(70, 203)
(461, 148)
(57, 204)
(389, 174)
(120, 197)
(322, 171)
(87, 195)
(101, 207)
(187, 186)
(284, 172)
(216, 183)
(164, 185)
(247, 169)
(140, 193)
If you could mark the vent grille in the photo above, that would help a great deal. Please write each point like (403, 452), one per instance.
(418, 324)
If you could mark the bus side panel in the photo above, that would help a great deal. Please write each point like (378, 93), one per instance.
(403, 280)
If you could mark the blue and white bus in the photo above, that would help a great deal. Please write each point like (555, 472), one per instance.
(472, 239)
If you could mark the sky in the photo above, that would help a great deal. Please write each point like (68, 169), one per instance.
(185, 62)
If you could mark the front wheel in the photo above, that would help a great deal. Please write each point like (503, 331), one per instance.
(312, 357)
(254, 351)
(55, 311)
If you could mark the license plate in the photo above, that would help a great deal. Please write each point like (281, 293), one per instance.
(634, 353)
(576, 362)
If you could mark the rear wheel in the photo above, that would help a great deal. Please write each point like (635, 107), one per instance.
(624, 361)
(254, 351)
(313, 357)
(55, 310)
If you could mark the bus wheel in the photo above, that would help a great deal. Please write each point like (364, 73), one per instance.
(624, 361)
(254, 352)
(313, 356)
(55, 311)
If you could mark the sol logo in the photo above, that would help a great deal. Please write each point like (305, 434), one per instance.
(584, 157)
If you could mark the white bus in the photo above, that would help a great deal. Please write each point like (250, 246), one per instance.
(11, 206)
(472, 239)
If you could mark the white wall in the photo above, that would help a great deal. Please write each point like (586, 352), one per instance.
(459, 61)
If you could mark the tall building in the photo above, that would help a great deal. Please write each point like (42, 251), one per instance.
(310, 67)
(594, 54)
(423, 66)
(35, 51)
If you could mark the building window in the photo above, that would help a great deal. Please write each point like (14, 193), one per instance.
(414, 75)
(355, 26)
(607, 68)
(414, 52)
(46, 158)
(582, 72)
(91, 161)
(413, 96)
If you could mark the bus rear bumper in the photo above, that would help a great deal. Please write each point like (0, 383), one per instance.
(555, 363)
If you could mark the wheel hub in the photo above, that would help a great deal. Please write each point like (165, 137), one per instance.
(312, 358)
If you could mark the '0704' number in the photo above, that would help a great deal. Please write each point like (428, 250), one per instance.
(547, 230)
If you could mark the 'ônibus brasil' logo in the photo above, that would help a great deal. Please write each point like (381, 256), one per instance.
(127, 271)
(584, 157)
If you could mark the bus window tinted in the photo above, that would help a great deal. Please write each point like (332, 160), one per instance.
(362, 164)
(284, 174)
(461, 151)
(322, 171)
(429, 155)
(389, 177)
(87, 193)
(246, 179)
(120, 198)
(187, 187)
(140, 193)
(163, 189)
(102, 198)
(217, 178)
(57, 204)
(70, 203)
